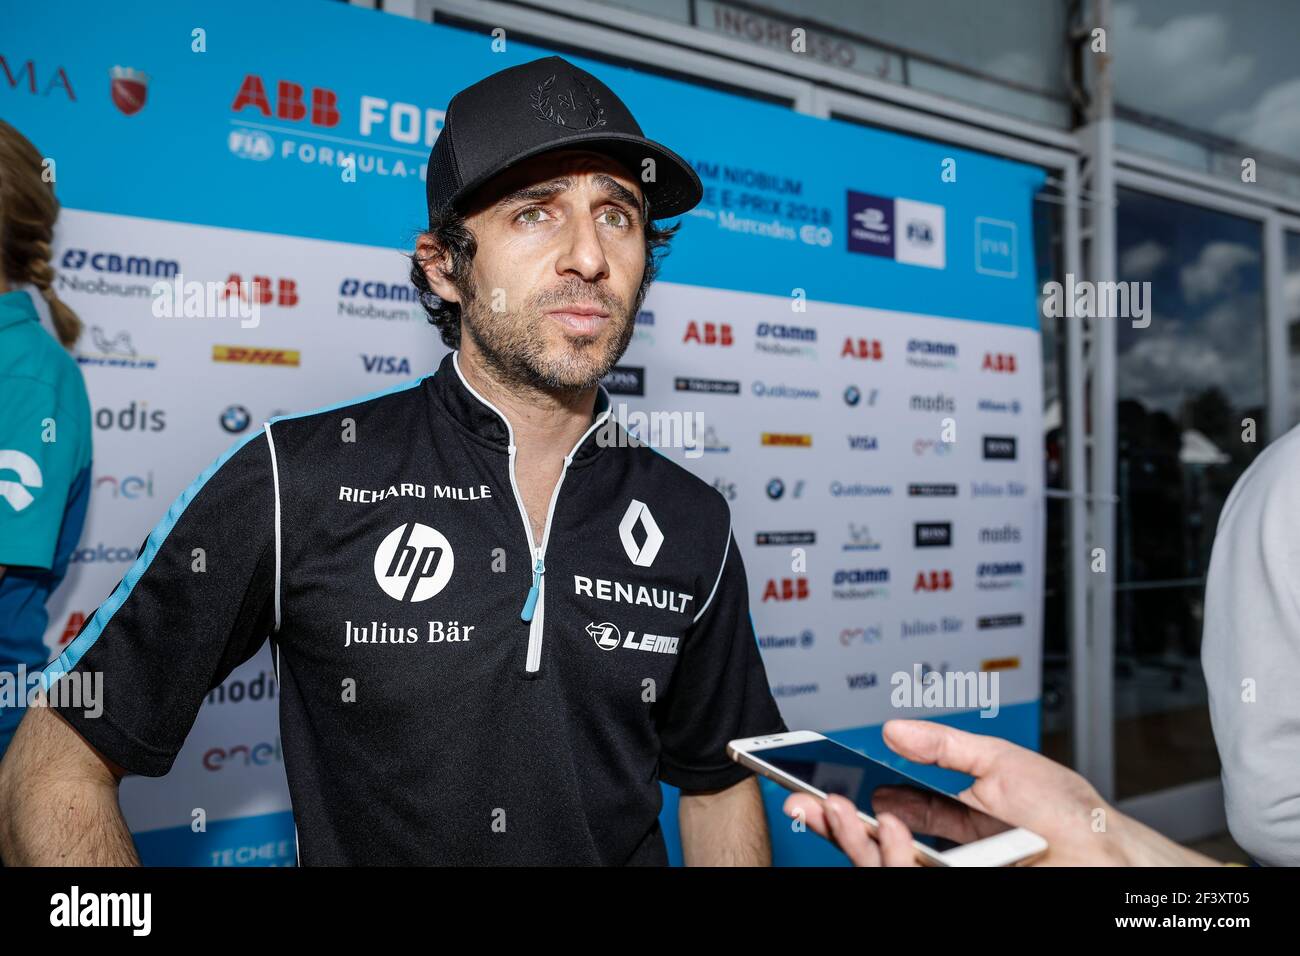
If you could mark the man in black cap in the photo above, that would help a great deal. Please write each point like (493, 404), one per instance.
(495, 629)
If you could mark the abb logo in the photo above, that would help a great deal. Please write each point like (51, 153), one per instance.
(263, 290)
(786, 589)
(933, 581)
(863, 349)
(289, 103)
(712, 335)
(998, 362)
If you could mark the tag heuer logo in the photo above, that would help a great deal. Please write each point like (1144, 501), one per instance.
(573, 109)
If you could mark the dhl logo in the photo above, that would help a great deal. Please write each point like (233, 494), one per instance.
(789, 441)
(251, 356)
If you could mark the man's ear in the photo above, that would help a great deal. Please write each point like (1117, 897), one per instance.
(436, 263)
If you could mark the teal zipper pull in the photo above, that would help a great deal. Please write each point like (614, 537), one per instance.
(529, 605)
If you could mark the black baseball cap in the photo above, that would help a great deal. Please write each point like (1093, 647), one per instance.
(539, 106)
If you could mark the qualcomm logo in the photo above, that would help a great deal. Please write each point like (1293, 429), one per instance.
(29, 476)
(644, 554)
(414, 563)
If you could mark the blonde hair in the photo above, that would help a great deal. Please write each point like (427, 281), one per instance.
(28, 211)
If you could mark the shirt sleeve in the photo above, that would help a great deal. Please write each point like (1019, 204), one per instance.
(197, 602)
(38, 466)
(719, 691)
(1250, 654)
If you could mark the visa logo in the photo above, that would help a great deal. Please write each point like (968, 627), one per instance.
(387, 364)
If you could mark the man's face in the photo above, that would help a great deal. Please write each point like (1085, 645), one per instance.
(561, 254)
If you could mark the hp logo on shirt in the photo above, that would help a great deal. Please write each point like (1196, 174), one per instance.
(414, 563)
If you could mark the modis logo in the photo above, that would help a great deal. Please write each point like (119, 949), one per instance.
(870, 349)
(932, 581)
(413, 563)
(136, 417)
(932, 403)
(263, 290)
(707, 333)
(1007, 534)
(249, 356)
(783, 440)
(786, 589)
(999, 362)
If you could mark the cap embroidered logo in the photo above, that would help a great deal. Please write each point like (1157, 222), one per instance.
(574, 113)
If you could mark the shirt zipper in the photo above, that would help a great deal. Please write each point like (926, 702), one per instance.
(534, 609)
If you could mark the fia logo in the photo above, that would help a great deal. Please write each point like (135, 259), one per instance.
(414, 562)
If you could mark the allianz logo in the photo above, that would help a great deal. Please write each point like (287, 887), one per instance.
(769, 642)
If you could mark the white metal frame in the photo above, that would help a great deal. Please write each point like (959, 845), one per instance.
(1185, 812)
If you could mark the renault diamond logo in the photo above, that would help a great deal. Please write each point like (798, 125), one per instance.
(642, 555)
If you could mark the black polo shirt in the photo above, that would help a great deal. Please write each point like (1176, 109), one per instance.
(451, 692)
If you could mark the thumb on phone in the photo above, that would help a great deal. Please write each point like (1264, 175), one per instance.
(926, 742)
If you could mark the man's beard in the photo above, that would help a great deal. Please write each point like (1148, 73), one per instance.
(514, 343)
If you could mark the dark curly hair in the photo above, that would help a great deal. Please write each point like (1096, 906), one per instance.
(450, 232)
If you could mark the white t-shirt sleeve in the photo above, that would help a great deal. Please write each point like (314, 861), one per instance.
(1250, 653)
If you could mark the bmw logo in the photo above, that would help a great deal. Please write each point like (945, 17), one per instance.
(235, 419)
(852, 395)
(775, 488)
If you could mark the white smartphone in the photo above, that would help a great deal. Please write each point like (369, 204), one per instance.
(807, 762)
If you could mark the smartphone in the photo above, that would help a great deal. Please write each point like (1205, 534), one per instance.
(807, 762)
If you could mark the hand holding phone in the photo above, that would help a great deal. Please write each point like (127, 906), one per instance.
(945, 832)
(1012, 784)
